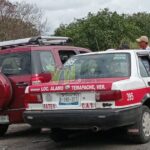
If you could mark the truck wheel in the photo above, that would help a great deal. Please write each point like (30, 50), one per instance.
(142, 127)
(58, 135)
(3, 129)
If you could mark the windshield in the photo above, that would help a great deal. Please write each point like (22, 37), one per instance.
(95, 66)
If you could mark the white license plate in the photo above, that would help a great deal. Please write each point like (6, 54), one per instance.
(69, 99)
(4, 119)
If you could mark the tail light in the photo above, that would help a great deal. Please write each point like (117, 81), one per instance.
(41, 78)
(33, 99)
(108, 95)
(36, 80)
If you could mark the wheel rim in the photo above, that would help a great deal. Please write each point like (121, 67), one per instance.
(146, 124)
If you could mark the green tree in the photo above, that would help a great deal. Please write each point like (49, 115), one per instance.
(106, 29)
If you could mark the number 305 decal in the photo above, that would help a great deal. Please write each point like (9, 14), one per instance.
(130, 96)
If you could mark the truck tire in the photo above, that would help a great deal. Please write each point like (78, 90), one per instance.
(5, 91)
(142, 127)
(3, 129)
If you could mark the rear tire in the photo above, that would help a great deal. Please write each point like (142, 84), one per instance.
(3, 129)
(58, 135)
(142, 127)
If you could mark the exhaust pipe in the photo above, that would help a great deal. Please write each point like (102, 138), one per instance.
(95, 129)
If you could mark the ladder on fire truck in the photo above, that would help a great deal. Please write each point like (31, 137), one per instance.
(39, 40)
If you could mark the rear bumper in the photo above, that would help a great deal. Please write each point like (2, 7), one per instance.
(102, 118)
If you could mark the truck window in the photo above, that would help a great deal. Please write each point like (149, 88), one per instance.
(144, 65)
(42, 61)
(47, 62)
(15, 63)
(65, 55)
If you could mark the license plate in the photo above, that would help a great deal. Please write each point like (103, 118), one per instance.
(4, 119)
(69, 99)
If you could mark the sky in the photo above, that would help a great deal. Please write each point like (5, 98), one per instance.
(66, 11)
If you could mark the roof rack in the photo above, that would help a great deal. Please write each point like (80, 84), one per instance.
(39, 40)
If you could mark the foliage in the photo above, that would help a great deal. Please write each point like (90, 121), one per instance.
(19, 20)
(106, 29)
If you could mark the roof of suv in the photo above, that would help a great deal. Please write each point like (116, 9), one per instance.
(39, 47)
(38, 43)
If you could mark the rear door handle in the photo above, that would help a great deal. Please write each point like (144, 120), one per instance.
(22, 84)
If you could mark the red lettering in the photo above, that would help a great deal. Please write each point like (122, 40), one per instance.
(88, 105)
(50, 106)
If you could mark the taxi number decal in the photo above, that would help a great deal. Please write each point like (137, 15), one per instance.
(130, 96)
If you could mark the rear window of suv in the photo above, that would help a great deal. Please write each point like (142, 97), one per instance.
(97, 66)
(42, 62)
(15, 63)
(25, 63)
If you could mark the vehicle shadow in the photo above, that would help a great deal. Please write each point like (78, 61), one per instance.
(115, 139)
(90, 140)
(17, 131)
